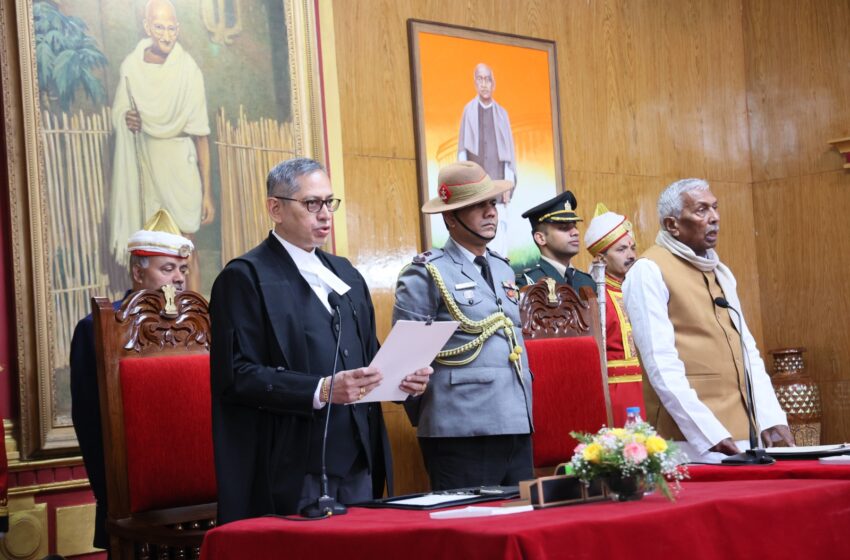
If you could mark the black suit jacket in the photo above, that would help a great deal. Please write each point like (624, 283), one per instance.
(85, 414)
(263, 384)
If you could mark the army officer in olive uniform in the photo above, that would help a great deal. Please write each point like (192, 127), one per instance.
(474, 419)
(554, 226)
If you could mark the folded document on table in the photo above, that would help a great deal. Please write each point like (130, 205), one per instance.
(808, 451)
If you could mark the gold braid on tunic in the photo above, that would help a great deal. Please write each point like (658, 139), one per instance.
(485, 328)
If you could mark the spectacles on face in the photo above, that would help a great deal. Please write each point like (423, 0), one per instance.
(314, 205)
(161, 30)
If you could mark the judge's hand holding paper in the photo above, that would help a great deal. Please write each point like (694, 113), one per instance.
(410, 346)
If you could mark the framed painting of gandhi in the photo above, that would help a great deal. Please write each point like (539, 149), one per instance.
(491, 98)
(117, 109)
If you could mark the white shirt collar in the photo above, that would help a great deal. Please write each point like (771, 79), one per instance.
(304, 260)
(311, 266)
(562, 269)
(487, 106)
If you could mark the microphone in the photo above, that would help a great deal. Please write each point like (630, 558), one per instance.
(326, 506)
(755, 455)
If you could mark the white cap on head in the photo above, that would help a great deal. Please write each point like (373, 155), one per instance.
(160, 236)
(605, 229)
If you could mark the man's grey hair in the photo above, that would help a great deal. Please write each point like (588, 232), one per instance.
(282, 179)
(670, 202)
(138, 260)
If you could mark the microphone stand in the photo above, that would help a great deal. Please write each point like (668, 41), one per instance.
(755, 455)
(327, 506)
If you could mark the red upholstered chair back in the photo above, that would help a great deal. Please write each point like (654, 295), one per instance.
(168, 431)
(154, 384)
(563, 338)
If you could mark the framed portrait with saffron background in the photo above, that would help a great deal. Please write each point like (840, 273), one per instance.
(491, 98)
(219, 91)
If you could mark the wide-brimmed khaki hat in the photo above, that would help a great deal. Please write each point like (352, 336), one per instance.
(463, 184)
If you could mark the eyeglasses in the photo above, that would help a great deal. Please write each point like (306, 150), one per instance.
(314, 205)
(160, 30)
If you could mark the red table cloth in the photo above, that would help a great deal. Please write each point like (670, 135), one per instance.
(778, 470)
(739, 519)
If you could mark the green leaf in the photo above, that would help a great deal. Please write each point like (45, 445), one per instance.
(92, 86)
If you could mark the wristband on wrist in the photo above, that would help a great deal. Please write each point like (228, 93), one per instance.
(324, 395)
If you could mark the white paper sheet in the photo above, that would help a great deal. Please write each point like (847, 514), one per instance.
(433, 499)
(807, 449)
(411, 345)
(836, 460)
(479, 511)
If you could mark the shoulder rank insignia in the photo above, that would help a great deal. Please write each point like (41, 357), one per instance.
(427, 256)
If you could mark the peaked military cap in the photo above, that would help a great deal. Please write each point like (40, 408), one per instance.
(555, 210)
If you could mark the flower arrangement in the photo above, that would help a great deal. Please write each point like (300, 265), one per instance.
(634, 451)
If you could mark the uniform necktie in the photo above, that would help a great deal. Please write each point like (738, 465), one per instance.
(485, 271)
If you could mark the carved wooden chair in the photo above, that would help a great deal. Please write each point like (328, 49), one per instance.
(154, 384)
(563, 337)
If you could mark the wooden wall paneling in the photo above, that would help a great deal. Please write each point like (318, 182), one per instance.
(654, 88)
(798, 90)
(383, 221)
(374, 80)
(802, 227)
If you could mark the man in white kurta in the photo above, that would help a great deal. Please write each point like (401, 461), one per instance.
(486, 138)
(161, 134)
(689, 347)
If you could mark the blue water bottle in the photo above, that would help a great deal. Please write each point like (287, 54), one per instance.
(633, 416)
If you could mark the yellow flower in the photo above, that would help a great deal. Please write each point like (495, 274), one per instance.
(592, 453)
(619, 432)
(639, 438)
(655, 444)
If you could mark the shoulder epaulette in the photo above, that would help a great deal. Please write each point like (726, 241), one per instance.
(498, 256)
(427, 256)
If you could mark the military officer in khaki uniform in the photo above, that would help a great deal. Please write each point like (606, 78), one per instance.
(474, 420)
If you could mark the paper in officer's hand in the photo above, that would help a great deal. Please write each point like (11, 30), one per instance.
(410, 346)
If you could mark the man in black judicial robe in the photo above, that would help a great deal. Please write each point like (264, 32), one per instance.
(274, 338)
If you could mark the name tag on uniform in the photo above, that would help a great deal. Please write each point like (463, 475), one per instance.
(465, 285)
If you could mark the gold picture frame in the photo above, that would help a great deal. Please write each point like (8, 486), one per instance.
(446, 64)
(42, 326)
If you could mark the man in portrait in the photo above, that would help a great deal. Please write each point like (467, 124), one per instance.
(158, 256)
(162, 154)
(688, 343)
(486, 138)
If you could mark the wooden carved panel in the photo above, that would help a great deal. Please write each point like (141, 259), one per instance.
(550, 310)
(148, 327)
